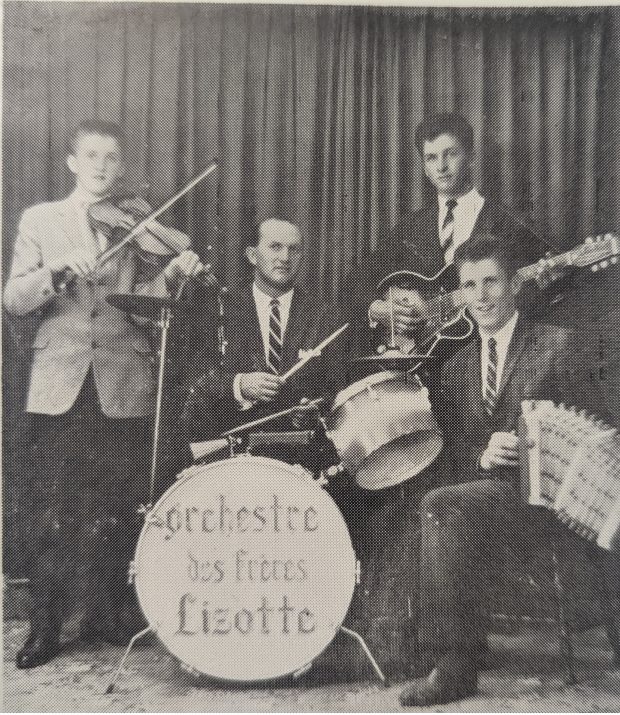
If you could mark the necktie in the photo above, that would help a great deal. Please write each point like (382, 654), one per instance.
(275, 337)
(490, 392)
(447, 228)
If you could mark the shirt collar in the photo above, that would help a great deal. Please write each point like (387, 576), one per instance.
(471, 198)
(504, 335)
(83, 199)
(262, 299)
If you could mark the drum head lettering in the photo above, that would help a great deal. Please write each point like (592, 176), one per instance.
(245, 569)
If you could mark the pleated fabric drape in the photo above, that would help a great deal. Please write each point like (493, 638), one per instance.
(311, 112)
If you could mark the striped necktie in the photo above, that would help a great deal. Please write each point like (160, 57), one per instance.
(275, 336)
(490, 392)
(447, 228)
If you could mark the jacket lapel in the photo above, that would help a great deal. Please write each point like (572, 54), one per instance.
(68, 223)
(296, 328)
(432, 229)
(516, 347)
(474, 380)
(250, 340)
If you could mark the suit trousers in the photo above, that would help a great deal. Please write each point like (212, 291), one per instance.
(465, 529)
(92, 474)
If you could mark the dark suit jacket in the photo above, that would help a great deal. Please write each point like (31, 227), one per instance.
(543, 362)
(414, 245)
(211, 407)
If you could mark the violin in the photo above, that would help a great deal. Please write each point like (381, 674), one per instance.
(127, 219)
(134, 216)
(116, 216)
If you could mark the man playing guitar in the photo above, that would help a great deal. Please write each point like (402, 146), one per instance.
(425, 241)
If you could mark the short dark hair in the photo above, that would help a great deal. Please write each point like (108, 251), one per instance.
(252, 233)
(96, 126)
(487, 245)
(445, 123)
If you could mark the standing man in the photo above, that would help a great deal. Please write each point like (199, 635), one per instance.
(425, 241)
(269, 324)
(90, 396)
(466, 525)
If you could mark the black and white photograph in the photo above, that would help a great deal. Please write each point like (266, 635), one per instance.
(311, 357)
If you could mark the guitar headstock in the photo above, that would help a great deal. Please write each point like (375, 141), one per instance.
(597, 252)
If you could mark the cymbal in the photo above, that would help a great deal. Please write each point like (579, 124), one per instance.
(146, 306)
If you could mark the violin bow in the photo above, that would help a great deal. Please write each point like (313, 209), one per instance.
(142, 225)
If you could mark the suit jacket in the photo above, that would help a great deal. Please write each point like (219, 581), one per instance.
(78, 327)
(414, 245)
(543, 362)
(211, 407)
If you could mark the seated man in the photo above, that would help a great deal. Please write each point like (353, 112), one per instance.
(466, 525)
(267, 324)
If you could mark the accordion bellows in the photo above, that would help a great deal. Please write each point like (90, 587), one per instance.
(573, 468)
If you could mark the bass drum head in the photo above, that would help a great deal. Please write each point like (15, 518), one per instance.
(245, 569)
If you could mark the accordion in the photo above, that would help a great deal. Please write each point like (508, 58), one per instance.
(572, 468)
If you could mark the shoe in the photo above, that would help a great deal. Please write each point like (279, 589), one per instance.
(39, 649)
(454, 677)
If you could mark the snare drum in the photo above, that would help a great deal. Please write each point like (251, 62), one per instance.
(245, 569)
(384, 430)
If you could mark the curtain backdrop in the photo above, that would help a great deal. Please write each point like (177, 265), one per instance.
(311, 112)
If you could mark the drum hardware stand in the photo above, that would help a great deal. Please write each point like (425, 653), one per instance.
(164, 325)
(356, 636)
(117, 674)
(146, 509)
(302, 407)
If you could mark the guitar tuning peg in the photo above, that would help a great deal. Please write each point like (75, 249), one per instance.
(589, 239)
(613, 260)
(604, 264)
(594, 268)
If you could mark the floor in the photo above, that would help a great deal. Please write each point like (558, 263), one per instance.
(524, 674)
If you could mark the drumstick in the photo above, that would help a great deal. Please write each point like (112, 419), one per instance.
(313, 353)
(275, 415)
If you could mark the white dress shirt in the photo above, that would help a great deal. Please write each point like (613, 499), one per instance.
(466, 213)
(502, 340)
(263, 310)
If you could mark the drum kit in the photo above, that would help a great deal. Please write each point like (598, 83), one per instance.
(244, 568)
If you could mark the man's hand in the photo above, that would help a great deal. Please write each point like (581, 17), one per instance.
(185, 265)
(408, 314)
(260, 386)
(502, 451)
(81, 263)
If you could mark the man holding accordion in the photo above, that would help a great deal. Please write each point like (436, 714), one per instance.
(467, 523)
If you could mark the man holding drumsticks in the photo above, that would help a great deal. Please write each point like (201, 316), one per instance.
(270, 324)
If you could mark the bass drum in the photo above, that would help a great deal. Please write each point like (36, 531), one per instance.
(384, 430)
(245, 569)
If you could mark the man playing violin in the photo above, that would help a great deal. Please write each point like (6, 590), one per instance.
(467, 524)
(90, 396)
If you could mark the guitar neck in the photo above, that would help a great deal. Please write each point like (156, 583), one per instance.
(563, 260)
